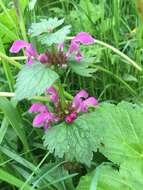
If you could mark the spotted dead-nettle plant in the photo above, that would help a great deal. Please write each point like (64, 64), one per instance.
(68, 121)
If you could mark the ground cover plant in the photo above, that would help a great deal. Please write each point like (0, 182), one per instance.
(71, 95)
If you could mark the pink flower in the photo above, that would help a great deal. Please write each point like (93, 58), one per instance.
(81, 101)
(83, 38)
(70, 118)
(43, 58)
(44, 116)
(54, 95)
(30, 52)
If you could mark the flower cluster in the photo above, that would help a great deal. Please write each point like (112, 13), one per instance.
(80, 103)
(60, 57)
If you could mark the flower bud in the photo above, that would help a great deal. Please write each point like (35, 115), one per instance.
(43, 58)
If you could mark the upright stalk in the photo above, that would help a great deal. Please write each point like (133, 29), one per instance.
(20, 19)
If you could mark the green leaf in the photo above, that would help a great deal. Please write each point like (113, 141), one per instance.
(82, 67)
(14, 119)
(3, 129)
(129, 177)
(11, 179)
(56, 37)
(76, 141)
(45, 26)
(120, 130)
(33, 80)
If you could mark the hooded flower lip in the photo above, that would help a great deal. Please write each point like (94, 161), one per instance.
(30, 52)
(81, 101)
(83, 38)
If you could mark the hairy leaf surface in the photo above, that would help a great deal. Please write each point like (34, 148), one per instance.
(120, 131)
(76, 141)
(33, 79)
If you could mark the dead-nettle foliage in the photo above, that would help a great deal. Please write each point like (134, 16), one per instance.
(60, 116)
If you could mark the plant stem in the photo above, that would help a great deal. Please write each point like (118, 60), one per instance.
(20, 19)
(119, 53)
(61, 95)
(10, 60)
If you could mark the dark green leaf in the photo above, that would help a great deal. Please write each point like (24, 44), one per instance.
(14, 119)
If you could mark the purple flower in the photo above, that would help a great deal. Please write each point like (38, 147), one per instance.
(81, 101)
(44, 116)
(54, 95)
(83, 38)
(30, 52)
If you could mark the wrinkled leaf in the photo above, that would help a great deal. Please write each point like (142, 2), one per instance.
(129, 177)
(120, 131)
(76, 141)
(33, 80)
(45, 26)
(56, 37)
(82, 67)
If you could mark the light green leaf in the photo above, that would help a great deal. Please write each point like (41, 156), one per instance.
(45, 26)
(76, 141)
(82, 67)
(33, 80)
(56, 37)
(129, 177)
(120, 131)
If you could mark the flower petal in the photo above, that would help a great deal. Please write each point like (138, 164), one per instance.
(29, 61)
(38, 107)
(39, 119)
(73, 47)
(17, 46)
(84, 38)
(46, 126)
(30, 51)
(78, 98)
(78, 56)
(54, 94)
(86, 103)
